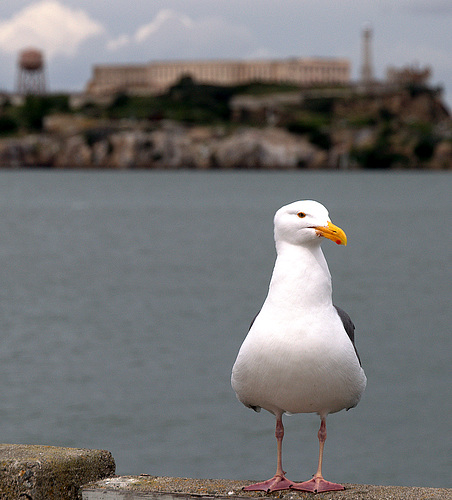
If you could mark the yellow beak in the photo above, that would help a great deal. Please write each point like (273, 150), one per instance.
(333, 233)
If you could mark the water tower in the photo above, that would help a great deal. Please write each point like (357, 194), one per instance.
(30, 76)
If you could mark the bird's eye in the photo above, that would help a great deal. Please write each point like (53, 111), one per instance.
(301, 215)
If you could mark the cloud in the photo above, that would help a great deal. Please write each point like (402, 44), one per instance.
(49, 26)
(165, 19)
(175, 35)
(118, 43)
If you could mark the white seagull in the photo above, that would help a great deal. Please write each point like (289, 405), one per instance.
(299, 354)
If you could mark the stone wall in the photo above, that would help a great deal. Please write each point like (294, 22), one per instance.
(49, 472)
(174, 488)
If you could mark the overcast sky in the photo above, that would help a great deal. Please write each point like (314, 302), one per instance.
(76, 34)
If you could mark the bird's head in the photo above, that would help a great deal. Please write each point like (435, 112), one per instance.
(304, 222)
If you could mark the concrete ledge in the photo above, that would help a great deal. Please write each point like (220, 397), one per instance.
(170, 488)
(48, 472)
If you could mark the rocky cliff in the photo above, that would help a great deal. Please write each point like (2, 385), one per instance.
(169, 146)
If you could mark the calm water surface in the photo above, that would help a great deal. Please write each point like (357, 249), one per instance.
(125, 296)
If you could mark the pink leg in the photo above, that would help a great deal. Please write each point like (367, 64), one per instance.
(278, 481)
(317, 484)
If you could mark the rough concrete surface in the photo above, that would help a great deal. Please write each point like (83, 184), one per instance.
(170, 488)
(48, 472)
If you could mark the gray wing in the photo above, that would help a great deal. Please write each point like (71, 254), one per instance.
(349, 328)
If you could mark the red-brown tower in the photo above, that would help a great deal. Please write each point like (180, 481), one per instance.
(31, 72)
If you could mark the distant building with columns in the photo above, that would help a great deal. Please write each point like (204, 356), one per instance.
(157, 77)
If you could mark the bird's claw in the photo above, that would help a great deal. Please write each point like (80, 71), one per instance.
(276, 483)
(317, 485)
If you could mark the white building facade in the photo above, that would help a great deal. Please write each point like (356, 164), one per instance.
(157, 77)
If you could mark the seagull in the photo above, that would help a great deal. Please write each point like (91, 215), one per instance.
(299, 355)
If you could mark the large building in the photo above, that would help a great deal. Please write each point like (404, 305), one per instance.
(157, 77)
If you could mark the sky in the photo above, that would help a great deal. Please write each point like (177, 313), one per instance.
(77, 34)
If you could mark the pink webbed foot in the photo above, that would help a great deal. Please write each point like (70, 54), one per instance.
(276, 483)
(317, 485)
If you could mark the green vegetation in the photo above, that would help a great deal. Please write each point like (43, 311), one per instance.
(314, 126)
(186, 102)
(425, 147)
(260, 88)
(378, 156)
(8, 125)
(30, 115)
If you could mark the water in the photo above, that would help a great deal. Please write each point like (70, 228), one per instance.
(125, 296)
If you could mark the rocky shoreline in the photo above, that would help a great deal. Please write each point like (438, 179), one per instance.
(169, 146)
(175, 146)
